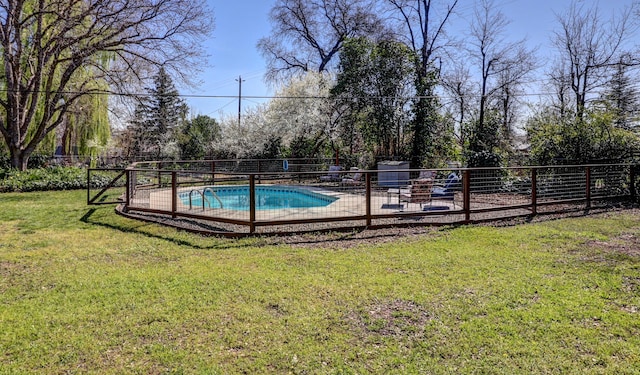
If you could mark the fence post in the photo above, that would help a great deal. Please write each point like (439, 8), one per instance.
(127, 191)
(174, 193)
(368, 197)
(88, 186)
(213, 172)
(534, 191)
(259, 170)
(632, 181)
(466, 195)
(159, 174)
(588, 189)
(252, 203)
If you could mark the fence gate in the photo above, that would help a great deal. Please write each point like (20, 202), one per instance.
(105, 185)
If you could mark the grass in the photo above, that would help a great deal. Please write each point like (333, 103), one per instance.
(83, 290)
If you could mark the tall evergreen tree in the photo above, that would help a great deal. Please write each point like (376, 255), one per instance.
(622, 98)
(137, 143)
(157, 117)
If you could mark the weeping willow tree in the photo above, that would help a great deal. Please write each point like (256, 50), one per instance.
(86, 129)
(59, 58)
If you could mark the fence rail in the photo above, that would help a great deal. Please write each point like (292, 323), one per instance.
(234, 200)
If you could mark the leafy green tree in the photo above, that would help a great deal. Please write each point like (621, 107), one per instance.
(197, 136)
(422, 24)
(568, 140)
(483, 147)
(592, 115)
(374, 83)
(589, 46)
(429, 136)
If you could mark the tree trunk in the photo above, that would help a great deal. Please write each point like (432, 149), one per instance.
(19, 159)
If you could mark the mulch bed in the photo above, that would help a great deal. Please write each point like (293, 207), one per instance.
(345, 238)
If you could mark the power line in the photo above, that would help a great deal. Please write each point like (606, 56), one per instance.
(256, 97)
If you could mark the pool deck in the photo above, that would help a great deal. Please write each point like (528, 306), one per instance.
(350, 202)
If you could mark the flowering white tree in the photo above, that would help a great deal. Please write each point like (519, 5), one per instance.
(302, 108)
(243, 140)
(299, 110)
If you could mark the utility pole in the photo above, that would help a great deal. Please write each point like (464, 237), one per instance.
(240, 80)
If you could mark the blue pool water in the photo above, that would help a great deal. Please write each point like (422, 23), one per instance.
(267, 198)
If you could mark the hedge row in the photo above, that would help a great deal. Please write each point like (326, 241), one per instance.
(50, 178)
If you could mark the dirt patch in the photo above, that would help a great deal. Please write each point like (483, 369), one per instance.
(345, 240)
(396, 318)
(631, 284)
(8, 269)
(626, 243)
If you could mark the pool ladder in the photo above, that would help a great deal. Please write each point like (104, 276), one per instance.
(204, 198)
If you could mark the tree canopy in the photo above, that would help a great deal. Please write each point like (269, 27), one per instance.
(53, 51)
(308, 35)
(475, 86)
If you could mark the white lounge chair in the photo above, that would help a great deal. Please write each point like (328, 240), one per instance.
(332, 176)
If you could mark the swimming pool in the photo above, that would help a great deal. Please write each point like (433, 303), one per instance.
(267, 198)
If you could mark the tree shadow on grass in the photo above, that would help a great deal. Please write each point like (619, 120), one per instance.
(333, 238)
(144, 228)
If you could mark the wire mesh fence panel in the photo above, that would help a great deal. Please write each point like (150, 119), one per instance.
(561, 183)
(141, 184)
(268, 200)
(610, 181)
(224, 198)
(309, 197)
(499, 188)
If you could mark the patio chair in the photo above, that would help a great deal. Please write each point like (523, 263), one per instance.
(419, 192)
(355, 179)
(404, 193)
(332, 176)
(448, 190)
(427, 174)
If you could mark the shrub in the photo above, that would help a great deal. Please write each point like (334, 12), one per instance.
(50, 178)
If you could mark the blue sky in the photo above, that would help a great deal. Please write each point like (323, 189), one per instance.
(232, 53)
(240, 24)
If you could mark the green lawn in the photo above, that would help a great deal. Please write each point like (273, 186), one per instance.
(83, 290)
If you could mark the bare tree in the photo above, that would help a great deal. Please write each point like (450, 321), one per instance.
(53, 52)
(307, 35)
(503, 64)
(457, 83)
(559, 82)
(421, 24)
(509, 96)
(590, 47)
